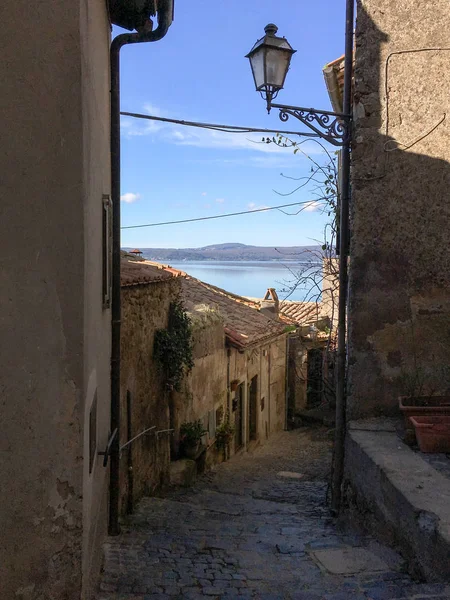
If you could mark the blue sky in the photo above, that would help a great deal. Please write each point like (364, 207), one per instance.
(199, 72)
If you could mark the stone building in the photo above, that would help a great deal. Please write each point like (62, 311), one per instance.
(239, 373)
(312, 346)
(399, 269)
(240, 366)
(399, 299)
(147, 292)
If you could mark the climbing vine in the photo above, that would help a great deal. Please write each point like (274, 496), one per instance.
(173, 346)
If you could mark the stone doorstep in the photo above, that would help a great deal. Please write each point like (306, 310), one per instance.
(405, 493)
(349, 561)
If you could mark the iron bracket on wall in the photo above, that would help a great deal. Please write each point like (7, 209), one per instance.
(330, 126)
(108, 449)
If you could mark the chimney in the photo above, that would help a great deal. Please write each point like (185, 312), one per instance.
(270, 305)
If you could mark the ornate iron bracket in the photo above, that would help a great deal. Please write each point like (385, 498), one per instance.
(330, 126)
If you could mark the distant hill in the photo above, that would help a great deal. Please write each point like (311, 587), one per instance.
(233, 252)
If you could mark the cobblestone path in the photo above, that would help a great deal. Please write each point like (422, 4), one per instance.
(257, 527)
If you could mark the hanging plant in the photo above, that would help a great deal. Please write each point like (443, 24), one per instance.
(173, 346)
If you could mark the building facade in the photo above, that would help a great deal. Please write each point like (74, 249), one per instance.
(399, 300)
(55, 329)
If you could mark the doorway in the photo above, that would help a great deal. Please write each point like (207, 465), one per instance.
(238, 417)
(253, 409)
(314, 377)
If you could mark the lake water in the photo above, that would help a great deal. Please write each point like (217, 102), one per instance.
(246, 278)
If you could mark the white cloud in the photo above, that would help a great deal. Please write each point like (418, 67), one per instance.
(310, 206)
(130, 197)
(206, 138)
(203, 193)
(254, 206)
(220, 200)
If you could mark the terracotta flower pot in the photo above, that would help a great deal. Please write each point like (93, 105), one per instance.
(432, 432)
(191, 450)
(420, 406)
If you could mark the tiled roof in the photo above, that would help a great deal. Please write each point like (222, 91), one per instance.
(134, 272)
(244, 325)
(299, 313)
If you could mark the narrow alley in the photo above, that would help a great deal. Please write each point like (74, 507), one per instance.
(256, 527)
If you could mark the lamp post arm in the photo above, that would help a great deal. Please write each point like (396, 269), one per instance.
(330, 126)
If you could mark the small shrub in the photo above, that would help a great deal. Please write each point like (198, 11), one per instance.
(173, 346)
(191, 433)
(224, 435)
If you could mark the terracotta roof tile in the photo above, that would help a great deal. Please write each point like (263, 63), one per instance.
(243, 324)
(299, 312)
(134, 272)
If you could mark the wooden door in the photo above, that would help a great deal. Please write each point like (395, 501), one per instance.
(238, 417)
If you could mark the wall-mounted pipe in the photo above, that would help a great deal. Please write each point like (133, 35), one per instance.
(341, 366)
(144, 35)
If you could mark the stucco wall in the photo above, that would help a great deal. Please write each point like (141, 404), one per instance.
(54, 104)
(399, 306)
(277, 384)
(145, 308)
(41, 313)
(95, 40)
(268, 363)
(205, 388)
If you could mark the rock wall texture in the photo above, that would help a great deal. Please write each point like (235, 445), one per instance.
(145, 308)
(205, 388)
(399, 303)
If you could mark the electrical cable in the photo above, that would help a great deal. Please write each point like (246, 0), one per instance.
(216, 127)
(244, 212)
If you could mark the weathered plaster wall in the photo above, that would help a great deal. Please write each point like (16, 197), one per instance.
(399, 311)
(277, 392)
(54, 104)
(330, 291)
(268, 362)
(145, 308)
(95, 40)
(297, 375)
(205, 388)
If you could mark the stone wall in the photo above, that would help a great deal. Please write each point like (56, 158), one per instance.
(145, 308)
(268, 363)
(399, 304)
(210, 390)
(205, 388)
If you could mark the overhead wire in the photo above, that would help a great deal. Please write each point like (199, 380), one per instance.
(225, 129)
(215, 126)
(235, 214)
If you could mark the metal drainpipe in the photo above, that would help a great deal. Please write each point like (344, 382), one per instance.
(339, 448)
(286, 385)
(117, 43)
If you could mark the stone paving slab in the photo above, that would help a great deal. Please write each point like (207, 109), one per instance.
(246, 532)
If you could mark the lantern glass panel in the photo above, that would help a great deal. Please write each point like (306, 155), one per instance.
(277, 65)
(257, 64)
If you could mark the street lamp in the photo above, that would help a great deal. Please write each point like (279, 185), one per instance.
(269, 59)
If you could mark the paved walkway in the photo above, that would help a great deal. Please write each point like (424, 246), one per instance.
(257, 527)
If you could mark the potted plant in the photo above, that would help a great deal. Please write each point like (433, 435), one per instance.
(422, 393)
(432, 432)
(423, 398)
(224, 435)
(191, 434)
